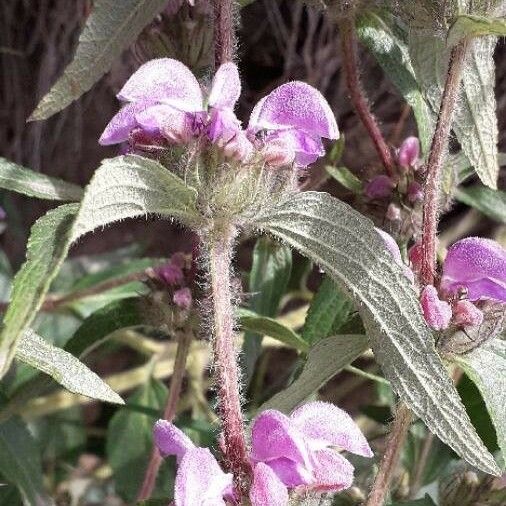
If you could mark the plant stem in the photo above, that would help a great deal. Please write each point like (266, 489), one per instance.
(435, 161)
(395, 442)
(224, 34)
(420, 466)
(176, 382)
(219, 247)
(357, 93)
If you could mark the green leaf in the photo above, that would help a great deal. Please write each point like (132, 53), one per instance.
(20, 462)
(329, 309)
(349, 249)
(491, 203)
(265, 326)
(377, 31)
(34, 184)
(486, 367)
(123, 187)
(468, 25)
(111, 27)
(269, 277)
(130, 440)
(63, 368)
(325, 359)
(346, 178)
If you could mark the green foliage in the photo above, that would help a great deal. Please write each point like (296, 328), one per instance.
(63, 368)
(111, 28)
(348, 248)
(467, 25)
(130, 440)
(491, 203)
(16, 178)
(325, 359)
(346, 178)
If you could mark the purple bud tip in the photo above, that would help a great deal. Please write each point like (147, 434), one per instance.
(437, 312)
(170, 273)
(409, 152)
(393, 212)
(380, 187)
(466, 314)
(415, 192)
(183, 298)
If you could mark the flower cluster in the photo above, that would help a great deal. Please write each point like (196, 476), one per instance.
(287, 452)
(473, 272)
(164, 105)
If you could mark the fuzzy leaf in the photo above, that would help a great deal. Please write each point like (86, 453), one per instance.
(348, 248)
(64, 368)
(111, 27)
(491, 203)
(325, 359)
(486, 367)
(34, 184)
(377, 31)
(123, 187)
(266, 326)
(468, 25)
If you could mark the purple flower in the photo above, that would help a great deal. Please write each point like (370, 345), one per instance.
(408, 153)
(183, 298)
(170, 273)
(380, 187)
(300, 448)
(415, 192)
(394, 250)
(477, 268)
(437, 312)
(294, 118)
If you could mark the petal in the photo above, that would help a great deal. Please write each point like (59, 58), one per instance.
(273, 435)
(267, 489)
(332, 472)
(437, 312)
(466, 314)
(306, 148)
(120, 126)
(291, 473)
(226, 87)
(297, 105)
(324, 424)
(174, 124)
(379, 187)
(164, 80)
(409, 152)
(200, 480)
(223, 126)
(478, 265)
(394, 250)
(170, 440)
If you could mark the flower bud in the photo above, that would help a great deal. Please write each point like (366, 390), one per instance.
(415, 192)
(466, 314)
(408, 153)
(170, 273)
(380, 187)
(437, 312)
(393, 212)
(183, 298)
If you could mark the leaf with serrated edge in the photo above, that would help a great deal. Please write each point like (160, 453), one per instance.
(64, 368)
(16, 178)
(325, 359)
(111, 27)
(486, 366)
(123, 187)
(348, 248)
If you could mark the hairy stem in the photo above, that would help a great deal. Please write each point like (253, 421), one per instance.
(357, 93)
(155, 460)
(395, 442)
(435, 161)
(227, 375)
(224, 33)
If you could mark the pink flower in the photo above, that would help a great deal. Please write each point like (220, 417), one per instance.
(437, 312)
(293, 119)
(476, 267)
(183, 298)
(408, 153)
(380, 187)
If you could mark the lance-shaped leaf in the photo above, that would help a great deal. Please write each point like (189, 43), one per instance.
(491, 203)
(123, 187)
(468, 25)
(63, 367)
(111, 27)
(486, 366)
(28, 182)
(348, 248)
(325, 359)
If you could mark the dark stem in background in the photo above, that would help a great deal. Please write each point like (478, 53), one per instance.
(357, 94)
(224, 33)
(437, 154)
(219, 246)
(395, 442)
(176, 382)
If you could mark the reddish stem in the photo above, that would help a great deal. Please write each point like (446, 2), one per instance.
(357, 93)
(224, 34)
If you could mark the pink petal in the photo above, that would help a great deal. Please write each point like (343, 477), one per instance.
(332, 471)
(409, 152)
(239, 148)
(200, 480)
(324, 424)
(183, 298)
(120, 126)
(226, 87)
(167, 81)
(291, 473)
(295, 105)
(170, 273)
(303, 148)
(466, 314)
(394, 250)
(267, 489)
(223, 126)
(478, 265)
(379, 187)
(170, 440)
(415, 192)
(437, 312)
(273, 435)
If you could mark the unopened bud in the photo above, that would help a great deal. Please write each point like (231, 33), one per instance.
(415, 192)
(408, 153)
(183, 298)
(437, 312)
(393, 212)
(380, 187)
(466, 314)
